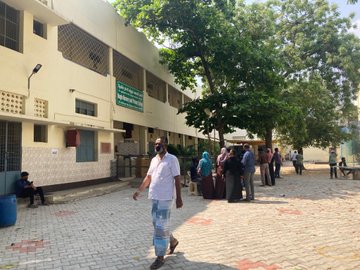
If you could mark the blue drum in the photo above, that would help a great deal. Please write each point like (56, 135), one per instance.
(8, 210)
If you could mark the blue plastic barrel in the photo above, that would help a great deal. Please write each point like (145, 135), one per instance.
(7, 210)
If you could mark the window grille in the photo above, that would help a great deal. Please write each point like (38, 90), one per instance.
(79, 47)
(40, 108)
(9, 27)
(11, 103)
(10, 138)
(84, 107)
(155, 87)
(127, 71)
(186, 99)
(174, 97)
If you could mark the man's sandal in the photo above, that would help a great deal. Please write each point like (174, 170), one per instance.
(172, 248)
(157, 263)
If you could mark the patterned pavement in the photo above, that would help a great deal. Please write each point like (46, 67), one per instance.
(304, 222)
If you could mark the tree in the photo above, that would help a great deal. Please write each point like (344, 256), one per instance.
(260, 64)
(203, 43)
(322, 64)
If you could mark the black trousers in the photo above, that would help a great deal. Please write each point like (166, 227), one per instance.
(29, 192)
(299, 168)
(333, 170)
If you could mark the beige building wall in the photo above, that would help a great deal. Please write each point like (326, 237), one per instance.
(60, 82)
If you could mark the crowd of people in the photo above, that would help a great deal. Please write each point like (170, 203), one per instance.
(234, 173)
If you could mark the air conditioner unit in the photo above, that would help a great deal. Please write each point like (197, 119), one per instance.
(72, 138)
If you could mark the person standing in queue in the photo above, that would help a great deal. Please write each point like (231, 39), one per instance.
(249, 170)
(233, 172)
(207, 182)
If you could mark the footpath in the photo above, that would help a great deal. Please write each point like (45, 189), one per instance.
(304, 222)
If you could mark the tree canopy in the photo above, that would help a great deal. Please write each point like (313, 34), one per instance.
(288, 66)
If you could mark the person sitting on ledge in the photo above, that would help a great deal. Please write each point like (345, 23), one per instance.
(25, 188)
(343, 164)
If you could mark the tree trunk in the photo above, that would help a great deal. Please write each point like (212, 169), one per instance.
(268, 138)
(221, 138)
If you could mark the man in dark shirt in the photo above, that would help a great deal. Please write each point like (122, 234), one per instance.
(25, 188)
(342, 164)
(195, 177)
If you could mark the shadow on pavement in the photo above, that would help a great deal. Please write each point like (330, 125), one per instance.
(179, 259)
(268, 202)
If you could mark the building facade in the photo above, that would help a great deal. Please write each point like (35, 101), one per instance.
(77, 86)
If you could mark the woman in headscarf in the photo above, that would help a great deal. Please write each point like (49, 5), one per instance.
(233, 171)
(220, 180)
(205, 170)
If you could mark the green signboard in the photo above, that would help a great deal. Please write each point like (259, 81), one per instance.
(129, 97)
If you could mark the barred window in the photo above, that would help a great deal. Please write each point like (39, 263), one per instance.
(79, 47)
(174, 97)
(155, 87)
(84, 107)
(9, 27)
(127, 71)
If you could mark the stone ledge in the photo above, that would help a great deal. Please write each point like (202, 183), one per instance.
(69, 195)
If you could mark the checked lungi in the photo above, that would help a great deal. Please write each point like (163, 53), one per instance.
(161, 221)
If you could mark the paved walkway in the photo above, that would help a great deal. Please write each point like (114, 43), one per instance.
(304, 222)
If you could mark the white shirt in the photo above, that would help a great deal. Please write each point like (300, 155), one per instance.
(162, 172)
(293, 157)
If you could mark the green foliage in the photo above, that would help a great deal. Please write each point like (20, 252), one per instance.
(285, 66)
(322, 63)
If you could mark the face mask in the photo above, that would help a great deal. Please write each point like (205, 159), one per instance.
(159, 149)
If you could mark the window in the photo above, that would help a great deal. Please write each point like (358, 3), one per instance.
(9, 27)
(85, 152)
(39, 29)
(186, 99)
(174, 97)
(127, 71)
(40, 133)
(80, 47)
(86, 108)
(155, 87)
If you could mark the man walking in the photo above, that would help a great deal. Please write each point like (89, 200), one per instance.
(294, 159)
(163, 177)
(332, 162)
(248, 161)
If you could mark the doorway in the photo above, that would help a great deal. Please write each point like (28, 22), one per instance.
(10, 155)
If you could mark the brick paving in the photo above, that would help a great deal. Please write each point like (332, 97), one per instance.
(304, 222)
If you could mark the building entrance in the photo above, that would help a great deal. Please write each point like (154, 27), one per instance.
(10, 155)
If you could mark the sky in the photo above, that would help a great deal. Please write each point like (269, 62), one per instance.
(345, 9)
